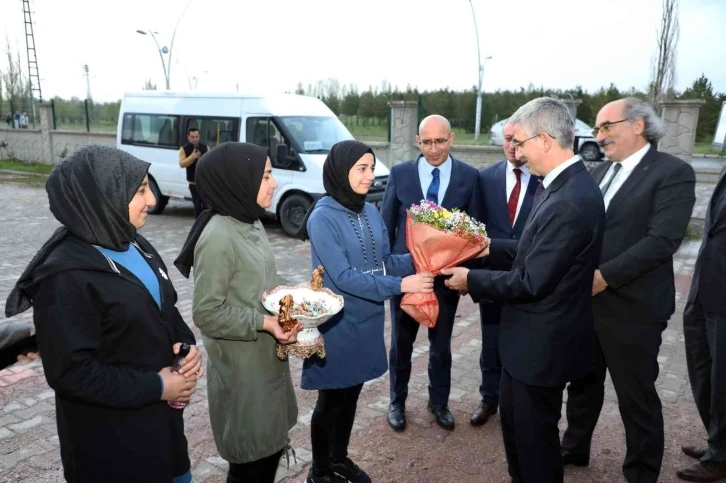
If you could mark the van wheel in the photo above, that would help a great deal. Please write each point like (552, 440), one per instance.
(293, 211)
(590, 152)
(161, 201)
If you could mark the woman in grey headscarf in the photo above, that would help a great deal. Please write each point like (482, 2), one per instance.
(107, 326)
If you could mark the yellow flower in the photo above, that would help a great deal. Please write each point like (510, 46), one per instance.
(446, 214)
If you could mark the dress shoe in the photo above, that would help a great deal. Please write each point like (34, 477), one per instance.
(695, 451)
(482, 412)
(397, 417)
(444, 418)
(574, 459)
(704, 471)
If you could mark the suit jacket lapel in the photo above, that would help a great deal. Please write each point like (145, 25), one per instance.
(527, 203)
(713, 217)
(599, 173)
(453, 182)
(640, 172)
(416, 179)
(555, 185)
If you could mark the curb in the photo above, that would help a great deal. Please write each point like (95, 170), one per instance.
(20, 173)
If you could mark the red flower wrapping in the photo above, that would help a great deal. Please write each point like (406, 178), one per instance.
(432, 250)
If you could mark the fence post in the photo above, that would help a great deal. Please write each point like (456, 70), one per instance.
(88, 119)
(52, 108)
(390, 98)
(420, 110)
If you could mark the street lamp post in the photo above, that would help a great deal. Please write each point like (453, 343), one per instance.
(477, 128)
(163, 50)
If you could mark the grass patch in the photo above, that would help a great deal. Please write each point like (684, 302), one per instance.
(379, 132)
(706, 147)
(15, 165)
(693, 233)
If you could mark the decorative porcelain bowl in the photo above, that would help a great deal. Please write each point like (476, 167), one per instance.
(309, 340)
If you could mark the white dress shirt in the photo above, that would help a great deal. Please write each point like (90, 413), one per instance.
(547, 181)
(511, 183)
(628, 165)
(424, 174)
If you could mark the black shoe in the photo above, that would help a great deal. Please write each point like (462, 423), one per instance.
(703, 471)
(482, 412)
(328, 477)
(444, 418)
(574, 459)
(695, 451)
(349, 470)
(397, 417)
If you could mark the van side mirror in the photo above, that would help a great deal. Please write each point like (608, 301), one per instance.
(282, 156)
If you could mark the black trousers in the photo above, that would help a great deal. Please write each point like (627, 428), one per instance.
(260, 471)
(629, 350)
(196, 200)
(489, 360)
(706, 358)
(331, 425)
(529, 417)
(403, 335)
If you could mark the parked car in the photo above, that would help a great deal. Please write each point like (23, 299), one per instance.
(588, 148)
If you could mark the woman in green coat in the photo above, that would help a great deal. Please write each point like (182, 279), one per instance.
(252, 403)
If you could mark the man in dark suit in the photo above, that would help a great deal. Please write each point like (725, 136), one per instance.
(436, 176)
(649, 199)
(506, 191)
(704, 321)
(546, 335)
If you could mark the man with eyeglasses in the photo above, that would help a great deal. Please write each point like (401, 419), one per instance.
(436, 176)
(546, 335)
(506, 190)
(649, 199)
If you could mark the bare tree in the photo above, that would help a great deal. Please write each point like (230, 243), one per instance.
(664, 65)
(149, 86)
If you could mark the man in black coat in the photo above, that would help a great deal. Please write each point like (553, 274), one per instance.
(649, 199)
(704, 321)
(546, 334)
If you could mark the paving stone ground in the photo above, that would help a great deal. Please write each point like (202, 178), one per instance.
(29, 443)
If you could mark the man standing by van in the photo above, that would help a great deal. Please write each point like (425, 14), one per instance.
(188, 155)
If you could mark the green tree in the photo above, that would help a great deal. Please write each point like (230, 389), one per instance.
(709, 112)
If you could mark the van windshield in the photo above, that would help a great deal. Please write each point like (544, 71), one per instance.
(316, 134)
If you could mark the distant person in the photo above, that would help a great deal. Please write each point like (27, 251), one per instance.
(16, 120)
(188, 156)
(9, 120)
(24, 120)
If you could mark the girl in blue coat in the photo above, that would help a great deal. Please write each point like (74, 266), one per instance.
(348, 238)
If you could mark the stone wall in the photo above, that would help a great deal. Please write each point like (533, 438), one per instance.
(680, 119)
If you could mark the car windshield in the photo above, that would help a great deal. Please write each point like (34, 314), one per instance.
(316, 134)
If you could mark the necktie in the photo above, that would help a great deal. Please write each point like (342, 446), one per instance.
(605, 187)
(514, 197)
(432, 194)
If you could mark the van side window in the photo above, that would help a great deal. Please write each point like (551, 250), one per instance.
(213, 131)
(157, 130)
(263, 132)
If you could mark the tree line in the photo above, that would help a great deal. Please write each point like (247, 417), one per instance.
(460, 106)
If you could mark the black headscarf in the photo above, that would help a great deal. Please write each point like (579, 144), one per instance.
(336, 169)
(89, 193)
(228, 179)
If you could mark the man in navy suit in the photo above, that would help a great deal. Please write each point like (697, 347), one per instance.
(547, 337)
(436, 176)
(506, 191)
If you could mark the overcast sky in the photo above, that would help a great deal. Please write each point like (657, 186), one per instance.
(271, 45)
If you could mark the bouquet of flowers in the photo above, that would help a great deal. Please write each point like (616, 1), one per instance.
(438, 238)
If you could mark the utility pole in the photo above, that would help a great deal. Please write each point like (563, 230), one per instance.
(88, 82)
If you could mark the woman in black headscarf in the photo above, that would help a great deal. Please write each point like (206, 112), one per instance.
(107, 325)
(349, 239)
(252, 403)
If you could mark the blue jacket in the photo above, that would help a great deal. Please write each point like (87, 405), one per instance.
(354, 343)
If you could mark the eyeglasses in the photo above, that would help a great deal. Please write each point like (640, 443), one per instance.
(605, 127)
(435, 142)
(518, 145)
